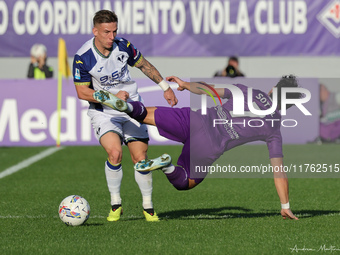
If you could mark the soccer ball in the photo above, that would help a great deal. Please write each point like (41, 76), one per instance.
(74, 210)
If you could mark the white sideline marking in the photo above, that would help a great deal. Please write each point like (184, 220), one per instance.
(29, 161)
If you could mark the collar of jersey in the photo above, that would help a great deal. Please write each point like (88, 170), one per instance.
(100, 54)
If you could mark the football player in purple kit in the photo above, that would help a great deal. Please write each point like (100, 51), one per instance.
(101, 64)
(203, 144)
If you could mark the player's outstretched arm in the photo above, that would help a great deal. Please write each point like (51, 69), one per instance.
(85, 93)
(150, 71)
(282, 187)
(195, 87)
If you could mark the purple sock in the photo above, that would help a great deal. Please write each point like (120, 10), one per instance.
(139, 111)
(178, 178)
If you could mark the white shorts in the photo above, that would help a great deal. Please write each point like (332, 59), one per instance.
(122, 124)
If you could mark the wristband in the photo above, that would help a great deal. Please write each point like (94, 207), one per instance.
(164, 85)
(285, 206)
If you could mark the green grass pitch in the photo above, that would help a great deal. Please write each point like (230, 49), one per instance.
(219, 216)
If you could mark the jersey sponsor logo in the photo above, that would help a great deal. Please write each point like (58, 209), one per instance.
(100, 69)
(77, 74)
(103, 79)
(79, 62)
(114, 79)
(330, 17)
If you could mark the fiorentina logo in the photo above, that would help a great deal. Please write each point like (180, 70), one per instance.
(330, 17)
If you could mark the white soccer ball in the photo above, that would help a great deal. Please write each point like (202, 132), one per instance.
(74, 210)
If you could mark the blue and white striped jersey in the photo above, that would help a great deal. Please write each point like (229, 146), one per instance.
(110, 73)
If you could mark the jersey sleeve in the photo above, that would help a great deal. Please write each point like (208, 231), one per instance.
(274, 144)
(228, 94)
(81, 75)
(134, 54)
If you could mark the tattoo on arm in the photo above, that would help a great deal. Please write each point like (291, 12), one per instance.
(150, 71)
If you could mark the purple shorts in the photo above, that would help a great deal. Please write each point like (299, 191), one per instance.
(174, 124)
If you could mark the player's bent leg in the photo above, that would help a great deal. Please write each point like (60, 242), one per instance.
(138, 151)
(111, 142)
(139, 112)
(192, 183)
(180, 179)
(150, 117)
(114, 173)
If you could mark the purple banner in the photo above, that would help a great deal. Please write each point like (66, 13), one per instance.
(178, 28)
(28, 112)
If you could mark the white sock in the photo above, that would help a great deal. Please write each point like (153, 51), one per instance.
(144, 182)
(168, 169)
(130, 107)
(114, 176)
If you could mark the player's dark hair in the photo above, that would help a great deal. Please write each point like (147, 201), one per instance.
(287, 81)
(104, 16)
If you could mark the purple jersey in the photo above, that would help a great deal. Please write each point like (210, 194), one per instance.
(228, 130)
(204, 143)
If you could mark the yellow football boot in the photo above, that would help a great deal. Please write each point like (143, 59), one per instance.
(150, 215)
(115, 213)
